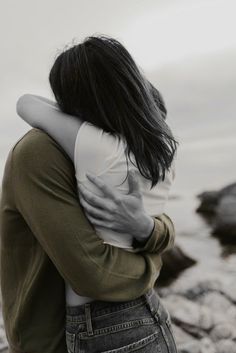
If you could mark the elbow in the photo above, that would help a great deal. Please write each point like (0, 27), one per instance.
(18, 106)
(25, 108)
(21, 103)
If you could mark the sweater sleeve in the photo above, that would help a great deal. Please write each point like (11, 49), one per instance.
(164, 238)
(46, 196)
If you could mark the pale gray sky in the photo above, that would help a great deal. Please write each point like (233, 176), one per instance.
(186, 47)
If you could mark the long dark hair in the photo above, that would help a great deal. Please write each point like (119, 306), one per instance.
(98, 81)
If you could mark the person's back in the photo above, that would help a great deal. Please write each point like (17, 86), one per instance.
(45, 239)
(102, 154)
(30, 282)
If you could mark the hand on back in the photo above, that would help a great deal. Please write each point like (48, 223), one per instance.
(116, 211)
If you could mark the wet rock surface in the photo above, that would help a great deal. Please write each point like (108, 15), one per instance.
(175, 261)
(220, 207)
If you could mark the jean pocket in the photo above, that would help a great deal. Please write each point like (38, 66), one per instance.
(123, 336)
(146, 344)
(70, 342)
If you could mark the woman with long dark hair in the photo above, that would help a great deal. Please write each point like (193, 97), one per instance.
(110, 120)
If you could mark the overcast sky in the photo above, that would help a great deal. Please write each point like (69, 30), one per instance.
(186, 47)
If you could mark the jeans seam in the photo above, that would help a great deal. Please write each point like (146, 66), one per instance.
(119, 327)
(73, 318)
(118, 311)
(165, 337)
(138, 344)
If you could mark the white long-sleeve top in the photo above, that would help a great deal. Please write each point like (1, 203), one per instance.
(102, 154)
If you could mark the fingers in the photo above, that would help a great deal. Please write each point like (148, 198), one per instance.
(94, 212)
(93, 199)
(100, 223)
(134, 186)
(106, 189)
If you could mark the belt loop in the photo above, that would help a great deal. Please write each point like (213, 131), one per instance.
(88, 319)
(153, 306)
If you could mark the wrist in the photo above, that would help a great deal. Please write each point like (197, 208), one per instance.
(146, 230)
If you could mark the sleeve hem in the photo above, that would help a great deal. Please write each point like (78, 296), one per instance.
(154, 238)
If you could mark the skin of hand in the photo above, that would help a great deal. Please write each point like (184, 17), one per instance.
(116, 211)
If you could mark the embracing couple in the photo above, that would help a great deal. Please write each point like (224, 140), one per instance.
(83, 227)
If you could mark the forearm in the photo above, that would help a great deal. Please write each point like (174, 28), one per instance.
(46, 100)
(44, 114)
(32, 108)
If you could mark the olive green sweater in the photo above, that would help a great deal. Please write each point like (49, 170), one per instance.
(46, 239)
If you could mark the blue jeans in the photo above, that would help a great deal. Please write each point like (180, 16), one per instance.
(141, 325)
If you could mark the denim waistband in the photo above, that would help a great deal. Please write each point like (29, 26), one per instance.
(80, 313)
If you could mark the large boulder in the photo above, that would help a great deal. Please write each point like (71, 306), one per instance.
(175, 261)
(221, 207)
(209, 201)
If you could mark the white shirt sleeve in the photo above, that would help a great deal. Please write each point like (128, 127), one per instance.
(95, 151)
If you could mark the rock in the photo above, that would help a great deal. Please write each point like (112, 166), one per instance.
(190, 316)
(198, 290)
(209, 201)
(203, 315)
(231, 314)
(223, 331)
(219, 303)
(215, 301)
(174, 262)
(192, 346)
(180, 335)
(205, 345)
(226, 346)
(225, 222)
(201, 288)
(230, 291)
(222, 204)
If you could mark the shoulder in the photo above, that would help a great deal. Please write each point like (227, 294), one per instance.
(37, 151)
(36, 143)
(35, 140)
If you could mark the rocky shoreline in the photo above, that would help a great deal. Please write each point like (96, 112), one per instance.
(203, 309)
(203, 315)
